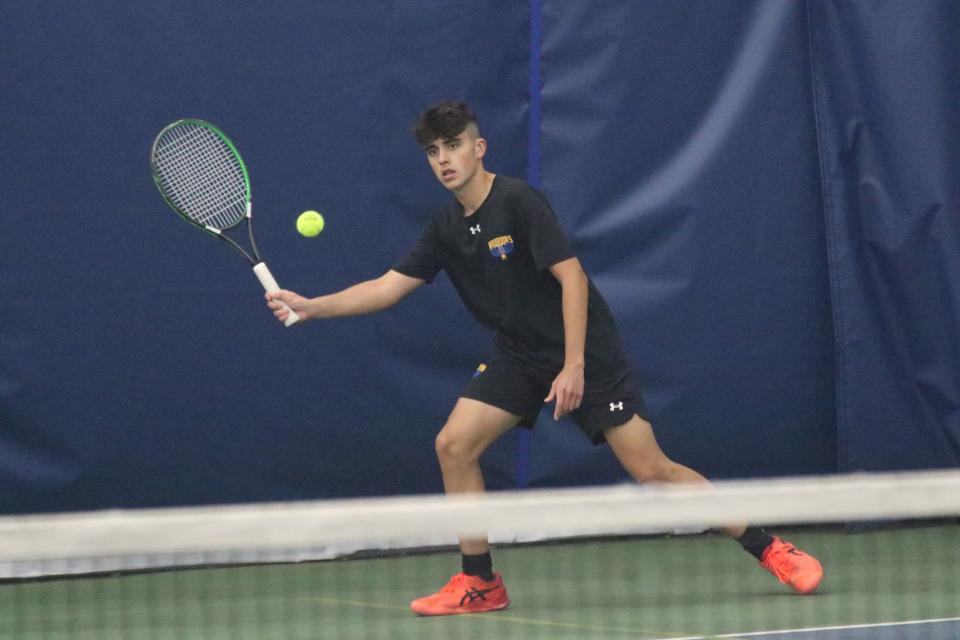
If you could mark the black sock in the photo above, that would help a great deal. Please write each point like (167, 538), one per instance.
(480, 565)
(755, 540)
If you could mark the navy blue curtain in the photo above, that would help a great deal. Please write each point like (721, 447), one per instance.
(765, 191)
(887, 103)
(138, 363)
(685, 164)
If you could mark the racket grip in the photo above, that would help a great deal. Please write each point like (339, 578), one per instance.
(270, 285)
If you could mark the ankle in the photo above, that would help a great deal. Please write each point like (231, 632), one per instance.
(755, 541)
(479, 565)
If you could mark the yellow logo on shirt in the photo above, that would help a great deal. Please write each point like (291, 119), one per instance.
(501, 246)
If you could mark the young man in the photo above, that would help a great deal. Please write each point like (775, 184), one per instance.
(556, 341)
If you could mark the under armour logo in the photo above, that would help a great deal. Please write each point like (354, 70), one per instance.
(616, 406)
(474, 230)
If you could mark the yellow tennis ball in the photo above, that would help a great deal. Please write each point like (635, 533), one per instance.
(310, 224)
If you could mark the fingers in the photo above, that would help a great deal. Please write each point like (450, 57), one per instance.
(568, 399)
(551, 396)
(566, 402)
(558, 409)
(276, 304)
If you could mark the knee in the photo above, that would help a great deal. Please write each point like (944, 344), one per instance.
(451, 448)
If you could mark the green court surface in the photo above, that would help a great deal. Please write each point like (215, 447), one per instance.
(636, 588)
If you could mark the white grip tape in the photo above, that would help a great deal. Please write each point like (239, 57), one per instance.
(270, 285)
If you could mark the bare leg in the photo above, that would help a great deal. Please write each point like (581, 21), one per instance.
(471, 428)
(637, 450)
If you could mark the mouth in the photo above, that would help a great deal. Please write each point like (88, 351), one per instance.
(447, 174)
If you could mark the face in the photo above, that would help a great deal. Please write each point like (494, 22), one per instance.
(455, 161)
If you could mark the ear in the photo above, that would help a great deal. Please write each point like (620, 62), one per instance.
(480, 148)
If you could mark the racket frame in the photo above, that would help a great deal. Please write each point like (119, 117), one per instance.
(256, 262)
(248, 198)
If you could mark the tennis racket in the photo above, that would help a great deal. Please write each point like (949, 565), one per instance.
(203, 178)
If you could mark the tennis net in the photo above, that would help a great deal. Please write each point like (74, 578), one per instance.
(596, 563)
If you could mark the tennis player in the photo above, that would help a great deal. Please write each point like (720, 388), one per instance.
(556, 342)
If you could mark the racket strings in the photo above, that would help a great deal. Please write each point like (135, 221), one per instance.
(206, 177)
(202, 176)
(211, 176)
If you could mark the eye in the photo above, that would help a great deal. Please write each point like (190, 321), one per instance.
(454, 145)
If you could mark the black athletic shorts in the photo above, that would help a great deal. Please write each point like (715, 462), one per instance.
(608, 401)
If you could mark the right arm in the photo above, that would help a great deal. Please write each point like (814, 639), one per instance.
(366, 297)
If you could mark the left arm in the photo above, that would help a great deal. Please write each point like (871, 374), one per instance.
(567, 387)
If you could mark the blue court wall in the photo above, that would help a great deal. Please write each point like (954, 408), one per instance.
(887, 105)
(766, 193)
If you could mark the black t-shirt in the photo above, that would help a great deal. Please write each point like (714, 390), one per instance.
(498, 259)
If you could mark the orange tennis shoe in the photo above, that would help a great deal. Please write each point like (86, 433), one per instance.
(464, 594)
(792, 566)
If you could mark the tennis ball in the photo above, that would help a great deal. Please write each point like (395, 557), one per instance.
(310, 224)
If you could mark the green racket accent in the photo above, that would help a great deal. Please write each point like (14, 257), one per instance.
(201, 175)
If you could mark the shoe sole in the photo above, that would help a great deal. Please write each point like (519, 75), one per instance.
(454, 612)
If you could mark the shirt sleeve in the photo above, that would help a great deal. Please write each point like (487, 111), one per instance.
(423, 261)
(547, 241)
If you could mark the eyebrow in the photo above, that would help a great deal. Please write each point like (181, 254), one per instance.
(433, 145)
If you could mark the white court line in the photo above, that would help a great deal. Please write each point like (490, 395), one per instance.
(813, 629)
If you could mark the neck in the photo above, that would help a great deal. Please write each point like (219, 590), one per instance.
(472, 194)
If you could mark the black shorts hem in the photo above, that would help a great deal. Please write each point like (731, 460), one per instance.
(526, 422)
(609, 401)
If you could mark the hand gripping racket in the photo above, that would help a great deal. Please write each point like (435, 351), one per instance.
(203, 178)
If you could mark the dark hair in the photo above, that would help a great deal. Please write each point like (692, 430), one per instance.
(443, 120)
